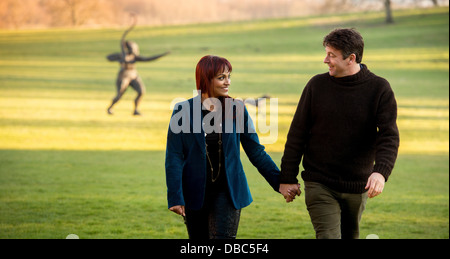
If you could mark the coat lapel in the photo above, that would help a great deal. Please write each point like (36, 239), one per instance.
(196, 122)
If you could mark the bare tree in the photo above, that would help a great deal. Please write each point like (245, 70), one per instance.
(18, 14)
(387, 6)
(73, 6)
(77, 12)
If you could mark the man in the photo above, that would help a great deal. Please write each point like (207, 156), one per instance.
(345, 130)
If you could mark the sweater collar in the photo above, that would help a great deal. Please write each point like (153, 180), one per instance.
(355, 79)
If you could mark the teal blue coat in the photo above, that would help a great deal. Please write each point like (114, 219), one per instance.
(186, 157)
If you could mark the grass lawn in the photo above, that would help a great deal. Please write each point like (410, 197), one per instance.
(66, 167)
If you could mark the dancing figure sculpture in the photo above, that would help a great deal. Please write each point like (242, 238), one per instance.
(128, 75)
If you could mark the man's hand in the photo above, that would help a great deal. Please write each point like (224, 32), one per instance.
(289, 191)
(178, 209)
(375, 184)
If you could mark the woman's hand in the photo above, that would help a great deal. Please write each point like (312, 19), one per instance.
(178, 209)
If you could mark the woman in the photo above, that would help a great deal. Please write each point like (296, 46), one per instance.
(205, 178)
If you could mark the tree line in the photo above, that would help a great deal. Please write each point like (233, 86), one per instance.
(15, 14)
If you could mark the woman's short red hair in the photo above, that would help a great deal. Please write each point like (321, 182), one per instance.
(207, 68)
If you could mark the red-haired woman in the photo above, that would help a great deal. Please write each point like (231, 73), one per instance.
(205, 179)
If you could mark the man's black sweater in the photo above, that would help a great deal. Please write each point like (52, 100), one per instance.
(345, 129)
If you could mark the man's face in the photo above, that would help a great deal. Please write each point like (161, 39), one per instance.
(338, 66)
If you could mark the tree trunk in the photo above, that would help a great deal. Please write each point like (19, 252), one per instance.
(387, 5)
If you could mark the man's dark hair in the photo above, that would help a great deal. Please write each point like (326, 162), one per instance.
(349, 41)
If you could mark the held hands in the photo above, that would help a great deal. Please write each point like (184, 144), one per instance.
(289, 191)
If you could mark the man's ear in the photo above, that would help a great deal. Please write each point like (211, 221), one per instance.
(352, 58)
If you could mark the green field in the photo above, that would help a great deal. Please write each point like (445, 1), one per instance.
(66, 167)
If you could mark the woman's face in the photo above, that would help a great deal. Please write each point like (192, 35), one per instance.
(221, 82)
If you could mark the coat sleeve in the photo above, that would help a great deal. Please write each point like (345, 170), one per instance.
(257, 154)
(174, 166)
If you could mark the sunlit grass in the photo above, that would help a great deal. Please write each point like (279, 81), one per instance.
(82, 124)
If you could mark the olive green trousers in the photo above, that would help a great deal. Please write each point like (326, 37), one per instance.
(334, 215)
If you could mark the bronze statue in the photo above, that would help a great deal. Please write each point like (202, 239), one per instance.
(128, 74)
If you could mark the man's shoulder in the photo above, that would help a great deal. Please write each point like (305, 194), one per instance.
(323, 76)
(318, 80)
(380, 82)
